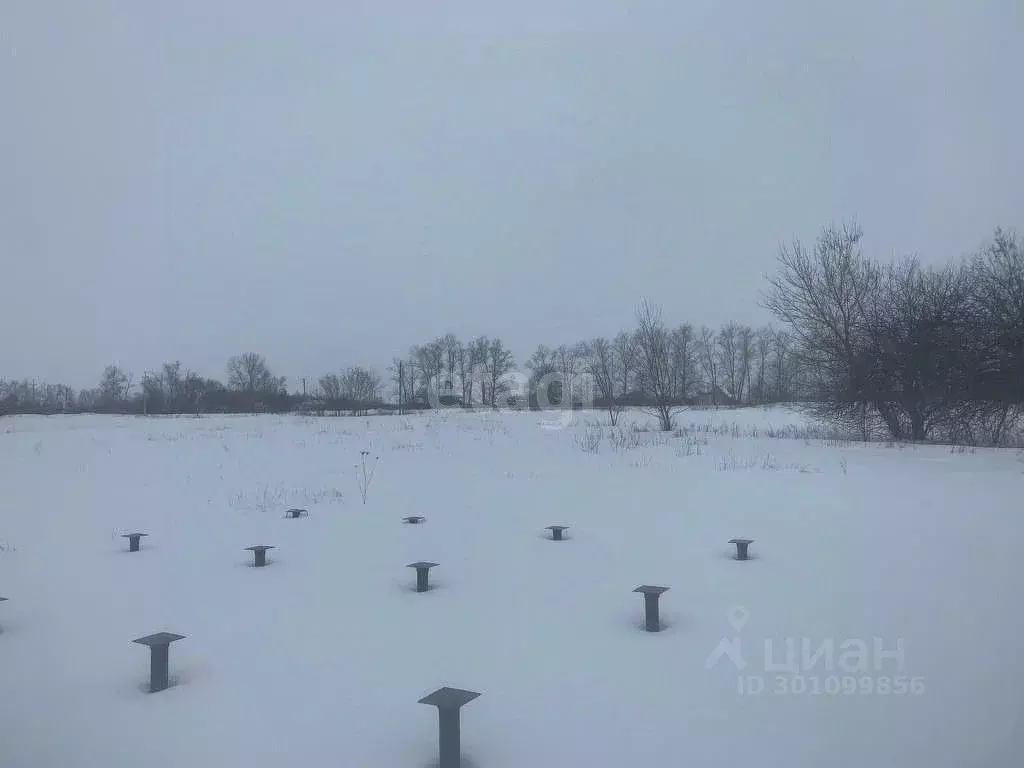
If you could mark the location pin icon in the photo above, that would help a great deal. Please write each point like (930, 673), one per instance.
(738, 616)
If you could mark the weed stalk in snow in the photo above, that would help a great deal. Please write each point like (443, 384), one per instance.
(364, 477)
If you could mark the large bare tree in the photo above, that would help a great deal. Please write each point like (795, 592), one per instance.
(824, 296)
(918, 364)
(997, 305)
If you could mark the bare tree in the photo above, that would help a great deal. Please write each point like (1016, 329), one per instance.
(782, 366)
(153, 394)
(115, 385)
(450, 348)
(499, 363)
(465, 379)
(625, 349)
(90, 399)
(193, 388)
(403, 377)
(171, 378)
(745, 343)
(997, 304)
(708, 354)
(683, 362)
(824, 296)
(728, 358)
(762, 352)
(656, 361)
(735, 354)
(602, 365)
(897, 343)
(541, 364)
(919, 360)
(638, 382)
(250, 374)
(477, 353)
(60, 397)
(568, 361)
(331, 391)
(430, 365)
(360, 386)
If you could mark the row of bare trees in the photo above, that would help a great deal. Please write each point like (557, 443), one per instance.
(170, 389)
(904, 349)
(468, 372)
(353, 389)
(730, 366)
(651, 365)
(666, 368)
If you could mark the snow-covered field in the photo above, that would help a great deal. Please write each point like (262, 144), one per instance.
(319, 659)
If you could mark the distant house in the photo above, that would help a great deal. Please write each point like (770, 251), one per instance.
(450, 399)
(446, 394)
(716, 396)
(517, 402)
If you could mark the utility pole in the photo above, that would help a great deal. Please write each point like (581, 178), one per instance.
(401, 386)
(303, 387)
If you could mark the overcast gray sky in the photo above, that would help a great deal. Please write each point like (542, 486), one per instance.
(328, 183)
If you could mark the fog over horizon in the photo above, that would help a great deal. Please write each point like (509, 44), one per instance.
(328, 184)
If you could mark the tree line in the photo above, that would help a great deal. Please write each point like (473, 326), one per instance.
(171, 389)
(732, 365)
(902, 349)
(897, 349)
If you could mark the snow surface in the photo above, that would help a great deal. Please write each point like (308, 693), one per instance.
(319, 658)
